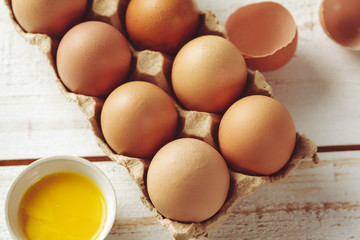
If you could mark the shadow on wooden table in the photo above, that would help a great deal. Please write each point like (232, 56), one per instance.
(315, 202)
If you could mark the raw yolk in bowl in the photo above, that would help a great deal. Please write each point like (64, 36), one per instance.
(63, 205)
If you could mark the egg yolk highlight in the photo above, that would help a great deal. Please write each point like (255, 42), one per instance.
(64, 206)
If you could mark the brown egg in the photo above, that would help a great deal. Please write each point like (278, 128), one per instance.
(265, 33)
(257, 135)
(188, 180)
(137, 119)
(340, 20)
(93, 59)
(161, 25)
(50, 17)
(209, 74)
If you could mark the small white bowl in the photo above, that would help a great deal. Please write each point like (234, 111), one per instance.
(49, 165)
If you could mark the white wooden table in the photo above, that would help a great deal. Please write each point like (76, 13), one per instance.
(320, 87)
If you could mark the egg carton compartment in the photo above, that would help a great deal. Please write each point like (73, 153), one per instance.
(155, 67)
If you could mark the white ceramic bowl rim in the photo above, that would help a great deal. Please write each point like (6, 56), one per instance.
(52, 164)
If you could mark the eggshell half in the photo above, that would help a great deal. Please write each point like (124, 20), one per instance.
(188, 180)
(93, 59)
(138, 118)
(265, 33)
(340, 20)
(201, 125)
(257, 135)
(50, 17)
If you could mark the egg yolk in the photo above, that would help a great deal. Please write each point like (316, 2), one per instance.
(64, 206)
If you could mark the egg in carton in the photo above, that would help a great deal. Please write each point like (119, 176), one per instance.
(155, 67)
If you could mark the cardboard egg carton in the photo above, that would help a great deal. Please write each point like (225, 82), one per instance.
(155, 67)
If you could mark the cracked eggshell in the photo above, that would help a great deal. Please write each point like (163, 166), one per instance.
(340, 19)
(265, 33)
(34, 17)
(201, 125)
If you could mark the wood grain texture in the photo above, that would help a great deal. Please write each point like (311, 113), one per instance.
(36, 120)
(319, 86)
(19, 162)
(316, 202)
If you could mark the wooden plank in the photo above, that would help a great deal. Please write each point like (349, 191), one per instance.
(315, 202)
(36, 120)
(339, 148)
(319, 87)
(19, 162)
